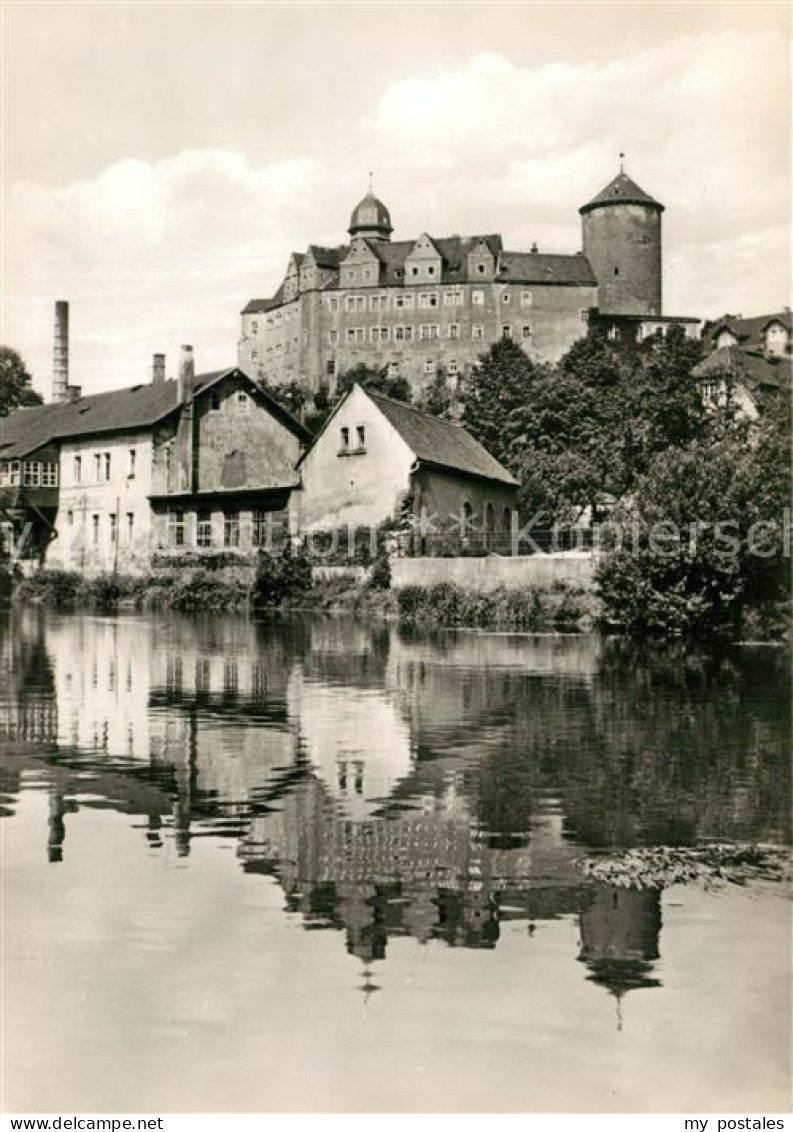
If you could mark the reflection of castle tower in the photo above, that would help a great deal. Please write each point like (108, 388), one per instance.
(619, 939)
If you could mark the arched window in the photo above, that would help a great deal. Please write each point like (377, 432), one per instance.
(467, 520)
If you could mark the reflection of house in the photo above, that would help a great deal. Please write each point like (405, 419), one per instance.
(373, 453)
(332, 720)
(749, 362)
(200, 463)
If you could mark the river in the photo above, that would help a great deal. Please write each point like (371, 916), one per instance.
(318, 865)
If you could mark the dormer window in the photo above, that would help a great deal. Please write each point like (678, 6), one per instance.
(430, 269)
(481, 269)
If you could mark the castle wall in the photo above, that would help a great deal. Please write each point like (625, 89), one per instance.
(417, 330)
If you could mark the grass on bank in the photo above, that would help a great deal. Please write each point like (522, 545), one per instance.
(444, 605)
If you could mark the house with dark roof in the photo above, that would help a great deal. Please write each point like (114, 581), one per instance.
(105, 481)
(431, 305)
(749, 361)
(375, 456)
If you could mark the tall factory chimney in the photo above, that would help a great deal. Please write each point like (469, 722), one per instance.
(186, 371)
(157, 368)
(60, 353)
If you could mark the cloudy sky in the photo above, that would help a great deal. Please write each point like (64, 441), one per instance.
(162, 160)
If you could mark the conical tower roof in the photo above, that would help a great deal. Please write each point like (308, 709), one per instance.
(622, 190)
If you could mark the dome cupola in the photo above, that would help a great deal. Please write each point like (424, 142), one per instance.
(371, 218)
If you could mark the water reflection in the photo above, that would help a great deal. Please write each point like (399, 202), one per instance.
(395, 785)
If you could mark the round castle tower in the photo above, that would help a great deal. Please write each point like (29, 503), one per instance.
(622, 241)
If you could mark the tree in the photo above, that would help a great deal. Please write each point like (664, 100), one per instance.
(378, 380)
(703, 540)
(496, 396)
(439, 397)
(16, 390)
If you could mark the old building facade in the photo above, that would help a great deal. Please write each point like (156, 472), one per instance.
(107, 481)
(433, 305)
(375, 455)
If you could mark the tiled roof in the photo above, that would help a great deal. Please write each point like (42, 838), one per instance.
(328, 257)
(261, 306)
(537, 267)
(441, 443)
(748, 331)
(121, 410)
(754, 370)
(622, 190)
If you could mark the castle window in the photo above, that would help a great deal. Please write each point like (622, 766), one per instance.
(477, 331)
(616, 271)
(130, 525)
(330, 367)
(97, 466)
(333, 337)
(526, 298)
(481, 269)
(452, 366)
(428, 299)
(77, 469)
(429, 366)
(526, 331)
(132, 461)
(113, 517)
(506, 331)
(453, 330)
(453, 298)
(478, 298)
(95, 528)
(393, 369)
(505, 297)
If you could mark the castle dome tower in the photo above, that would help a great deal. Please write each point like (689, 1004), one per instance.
(371, 218)
(622, 241)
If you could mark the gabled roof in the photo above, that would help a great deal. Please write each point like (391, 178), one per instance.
(537, 267)
(749, 331)
(120, 410)
(622, 190)
(327, 257)
(438, 442)
(751, 369)
(261, 306)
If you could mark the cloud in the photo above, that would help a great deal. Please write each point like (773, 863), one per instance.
(149, 255)
(704, 121)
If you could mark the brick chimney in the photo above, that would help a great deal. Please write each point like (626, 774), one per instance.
(157, 368)
(60, 354)
(186, 372)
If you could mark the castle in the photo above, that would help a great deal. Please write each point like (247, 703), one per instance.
(430, 305)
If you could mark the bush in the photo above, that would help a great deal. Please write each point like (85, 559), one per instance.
(281, 577)
(380, 573)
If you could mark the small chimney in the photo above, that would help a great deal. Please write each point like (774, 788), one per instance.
(186, 371)
(157, 368)
(534, 249)
(60, 353)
